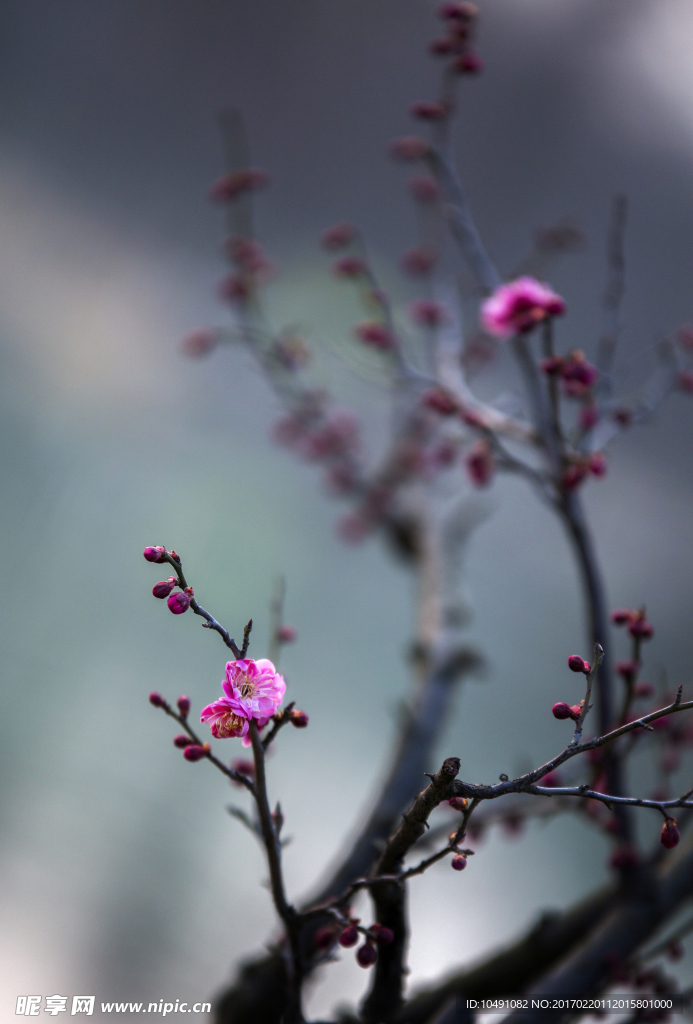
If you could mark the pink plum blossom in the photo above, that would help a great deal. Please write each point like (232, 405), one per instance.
(252, 689)
(518, 306)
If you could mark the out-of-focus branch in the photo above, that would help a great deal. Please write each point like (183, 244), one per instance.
(462, 224)
(613, 293)
(619, 935)
(513, 968)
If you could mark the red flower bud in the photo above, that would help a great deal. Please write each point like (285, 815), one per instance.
(458, 9)
(459, 862)
(178, 603)
(324, 937)
(440, 401)
(643, 689)
(670, 835)
(628, 669)
(622, 616)
(598, 464)
(194, 752)
(366, 955)
(419, 260)
(469, 63)
(578, 664)
(624, 857)
(573, 477)
(561, 710)
(552, 365)
(229, 186)
(429, 111)
(424, 188)
(164, 588)
(338, 237)
(459, 803)
(349, 266)
(157, 700)
(349, 937)
(376, 335)
(641, 628)
(183, 706)
(684, 379)
(286, 634)
(299, 719)
(384, 935)
(442, 47)
(243, 766)
(182, 741)
(155, 554)
(409, 147)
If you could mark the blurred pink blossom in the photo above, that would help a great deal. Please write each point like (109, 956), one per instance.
(518, 306)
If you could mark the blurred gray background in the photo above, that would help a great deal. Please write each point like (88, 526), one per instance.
(121, 873)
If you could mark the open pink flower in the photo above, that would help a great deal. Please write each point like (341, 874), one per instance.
(252, 689)
(518, 306)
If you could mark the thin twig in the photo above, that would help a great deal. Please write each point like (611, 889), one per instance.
(210, 621)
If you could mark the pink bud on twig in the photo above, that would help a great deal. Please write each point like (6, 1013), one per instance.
(286, 634)
(178, 603)
(366, 955)
(409, 147)
(459, 862)
(349, 936)
(561, 710)
(156, 700)
(155, 554)
(578, 664)
(194, 752)
(164, 588)
(182, 741)
(324, 937)
(670, 835)
(299, 719)
(183, 703)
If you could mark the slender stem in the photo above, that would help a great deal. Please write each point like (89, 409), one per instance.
(210, 622)
(230, 772)
(286, 912)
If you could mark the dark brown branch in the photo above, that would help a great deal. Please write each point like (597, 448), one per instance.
(389, 897)
(513, 968)
(617, 937)
(280, 720)
(288, 915)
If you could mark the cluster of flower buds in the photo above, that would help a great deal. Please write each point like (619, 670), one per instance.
(561, 710)
(518, 306)
(636, 620)
(581, 468)
(460, 21)
(577, 374)
(230, 186)
(192, 751)
(366, 955)
(252, 268)
(179, 601)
